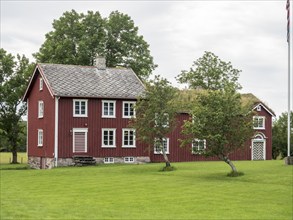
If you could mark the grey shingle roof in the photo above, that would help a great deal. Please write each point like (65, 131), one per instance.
(88, 81)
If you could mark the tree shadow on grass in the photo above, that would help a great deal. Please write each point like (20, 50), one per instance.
(14, 167)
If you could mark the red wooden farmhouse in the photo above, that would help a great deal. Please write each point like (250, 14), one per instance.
(81, 114)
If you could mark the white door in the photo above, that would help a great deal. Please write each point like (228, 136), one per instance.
(258, 149)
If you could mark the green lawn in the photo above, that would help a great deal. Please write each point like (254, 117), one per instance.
(199, 190)
(6, 157)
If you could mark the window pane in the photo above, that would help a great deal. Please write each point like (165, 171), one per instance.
(131, 112)
(105, 137)
(76, 107)
(111, 108)
(126, 113)
(82, 108)
(106, 111)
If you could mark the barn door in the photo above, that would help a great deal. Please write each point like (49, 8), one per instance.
(258, 148)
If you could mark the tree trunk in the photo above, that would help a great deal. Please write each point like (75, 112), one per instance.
(14, 156)
(168, 164)
(229, 162)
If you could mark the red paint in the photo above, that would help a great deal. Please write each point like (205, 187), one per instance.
(94, 123)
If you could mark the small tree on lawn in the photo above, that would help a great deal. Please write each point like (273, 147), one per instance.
(155, 114)
(220, 118)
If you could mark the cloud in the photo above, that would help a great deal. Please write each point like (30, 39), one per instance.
(250, 34)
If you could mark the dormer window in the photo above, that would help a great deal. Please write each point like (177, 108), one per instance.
(41, 84)
(258, 108)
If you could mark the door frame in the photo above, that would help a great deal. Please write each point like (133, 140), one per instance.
(259, 138)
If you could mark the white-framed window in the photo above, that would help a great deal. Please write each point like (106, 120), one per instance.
(108, 137)
(108, 109)
(40, 137)
(80, 140)
(128, 137)
(109, 160)
(164, 120)
(41, 84)
(40, 109)
(158, 147)
(129, 160)
(198, 146)
(80, 107)
(128, 109)
(258, 122)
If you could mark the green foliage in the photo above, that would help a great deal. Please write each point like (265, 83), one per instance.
(198, 190)
(280, 136)
(209, 72)
(77, 38)
(220, 118)
(14, 78)
(155, 113)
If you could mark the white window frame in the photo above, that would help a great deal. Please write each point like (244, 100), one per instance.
(167, 140)
(41, 109)
(109, 160)
(114, 137)
(86, 108)
(114, 109)
(192, 146)
(167, 122)
(41, 84)
(40, 137)
(129, 160)
(74, 130)
(263, 124)
(124, 113)
(123, 136)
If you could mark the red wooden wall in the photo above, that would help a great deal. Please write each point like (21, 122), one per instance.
(94, 122)
(46, 123)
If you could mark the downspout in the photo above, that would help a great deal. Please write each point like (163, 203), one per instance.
(56, 131)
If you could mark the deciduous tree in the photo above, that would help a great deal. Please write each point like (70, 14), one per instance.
(219, 118)
(280, 136)
(210, 72)
(155, 114)
(77, 38)
(14, 75)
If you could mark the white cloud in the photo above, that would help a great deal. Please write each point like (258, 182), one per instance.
(250, 34)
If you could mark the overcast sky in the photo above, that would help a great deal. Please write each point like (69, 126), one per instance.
(250, 34)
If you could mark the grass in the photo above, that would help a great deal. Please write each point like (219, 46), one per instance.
(6, 157)
(198, 190)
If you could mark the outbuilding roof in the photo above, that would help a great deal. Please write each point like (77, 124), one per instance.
(89, 81)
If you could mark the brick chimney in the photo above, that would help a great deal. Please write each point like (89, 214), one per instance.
(100, 62)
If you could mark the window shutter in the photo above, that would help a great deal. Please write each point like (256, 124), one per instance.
(79, 141)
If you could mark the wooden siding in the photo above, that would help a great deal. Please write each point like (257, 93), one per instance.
(46, 123)
(95, 123)
(181, 154)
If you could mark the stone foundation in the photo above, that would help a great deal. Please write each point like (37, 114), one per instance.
(137, 160)
(41, 162)
(48, 163)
